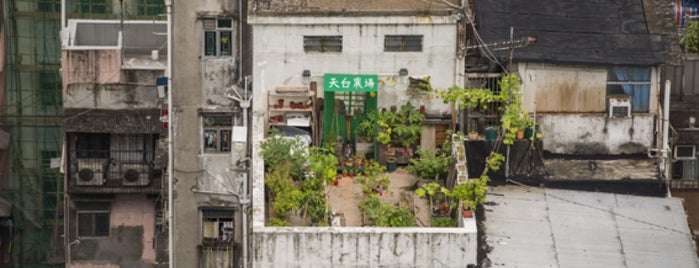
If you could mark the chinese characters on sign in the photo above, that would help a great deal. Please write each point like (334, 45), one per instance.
(351, 82)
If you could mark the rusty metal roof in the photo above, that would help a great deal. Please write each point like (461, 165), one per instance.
(134, 121)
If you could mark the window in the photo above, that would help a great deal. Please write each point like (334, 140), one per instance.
(92, 145)
(322, 43)
(49, 5)
(94, 6)
(150, 7)
(218, 35)
(217, 226)
(217, 133)
(49, 88)
(218, 244)
(633, 82)
(403, 43)
(93, 219)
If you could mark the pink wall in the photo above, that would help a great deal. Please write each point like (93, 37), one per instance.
(91, 66)
(136, 210)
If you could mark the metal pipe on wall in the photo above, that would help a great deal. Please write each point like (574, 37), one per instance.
(171, 161)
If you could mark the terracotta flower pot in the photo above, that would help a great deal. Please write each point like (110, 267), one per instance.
(467, 213)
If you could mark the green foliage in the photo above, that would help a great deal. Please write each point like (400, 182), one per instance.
(372, 176)
(402, 127)
(430, 164)
(323, 165)
(383, 214)
(442, 222)
(285, 194)
(689, 37)
(277, 222)
(431, 189)
(367, 128)
(277, 149)
(471, 193)
(514, 117)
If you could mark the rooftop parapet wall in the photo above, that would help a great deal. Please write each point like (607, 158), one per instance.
(349, 8)
(363, 247)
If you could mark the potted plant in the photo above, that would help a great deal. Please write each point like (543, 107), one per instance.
(470, 194)
(365, 133)
(430, 164)
(400, 128)
(437, 195)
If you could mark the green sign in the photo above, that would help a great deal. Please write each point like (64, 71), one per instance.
(351, 82)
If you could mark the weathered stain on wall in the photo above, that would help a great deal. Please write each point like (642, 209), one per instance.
(596, 134)
(91, 66)
(363, 247)
(550, 88)
(218, 79)
(115, 96)
(318, 6)
(130, 242)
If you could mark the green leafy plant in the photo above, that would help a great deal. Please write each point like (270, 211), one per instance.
(431, 190)
(366, 129)
(383, 214)
(277, 149)
(277, 222)
(372, 177)
(442, 222)
(471, 193)
(284, 193)
(430, 164)
(689, 37)
(402, 127)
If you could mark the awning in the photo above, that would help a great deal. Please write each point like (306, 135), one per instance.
(133, 121)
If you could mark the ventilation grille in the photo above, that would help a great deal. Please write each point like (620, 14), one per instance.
(619, 108)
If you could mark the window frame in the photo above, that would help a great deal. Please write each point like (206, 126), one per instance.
(325, 43)
(404, 40)
(218, 32)
(218, 216)
(93, 209)
(224, 132)
(641, 85)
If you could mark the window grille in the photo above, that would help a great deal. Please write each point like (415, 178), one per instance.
(403, 43)
(322, 43)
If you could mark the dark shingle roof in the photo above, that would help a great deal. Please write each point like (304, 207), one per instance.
(573, 32)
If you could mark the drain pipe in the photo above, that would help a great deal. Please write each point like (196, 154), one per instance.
(170, 154)
(666, 129)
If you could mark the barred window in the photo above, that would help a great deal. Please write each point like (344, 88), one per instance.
(322, 43)
(218, 37)
(403, 43)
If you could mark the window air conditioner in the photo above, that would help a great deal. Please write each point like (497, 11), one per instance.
(619, 108)
(134, 174)
(90, 171)
(685, 152)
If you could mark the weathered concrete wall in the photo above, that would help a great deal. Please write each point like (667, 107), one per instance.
(200, 84)
(94, 96)
(363, 247)
(587, 134)
(130, 242)
(279, 59)
(570, 103)
(91, 66)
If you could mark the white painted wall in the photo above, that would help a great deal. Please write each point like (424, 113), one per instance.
(363, 247)
(570, 103)
(279, 59)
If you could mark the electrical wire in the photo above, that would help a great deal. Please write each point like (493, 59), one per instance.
(483, 46)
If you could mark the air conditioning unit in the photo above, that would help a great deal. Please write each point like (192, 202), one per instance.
(135, 174)
(90, 171)
(619, 108)
(685, 152)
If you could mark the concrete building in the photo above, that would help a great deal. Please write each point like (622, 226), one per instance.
(209, 121)
(308, 46)
(113, 157)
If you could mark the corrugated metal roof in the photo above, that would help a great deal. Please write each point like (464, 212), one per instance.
(537, 227)
(132, 121)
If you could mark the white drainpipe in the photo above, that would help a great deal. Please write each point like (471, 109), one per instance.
(171, 160)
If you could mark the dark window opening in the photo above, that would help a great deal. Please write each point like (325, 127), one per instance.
(93, 219)
(217, 133)
(322, 43)
(403, 43)
(218, 37)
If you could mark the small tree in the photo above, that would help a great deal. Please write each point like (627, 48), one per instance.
(430, 164)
